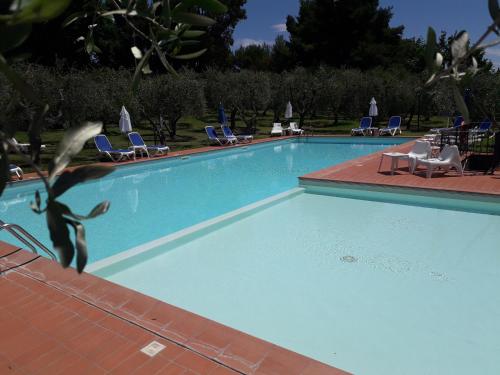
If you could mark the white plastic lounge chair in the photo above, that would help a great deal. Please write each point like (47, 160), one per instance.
(364, 127)
(215, 139)
(294, 129)
(14, 169)
(459, 121)
(24, 147)
(448, 158)
(421, 150)
(393, 127)
(138, 145)
(104, 146)
(228, 133)
(277, 129)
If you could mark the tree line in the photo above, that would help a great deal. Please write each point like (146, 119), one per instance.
(76, 95)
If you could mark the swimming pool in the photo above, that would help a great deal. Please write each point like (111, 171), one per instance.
(371, 287)
(155, 199)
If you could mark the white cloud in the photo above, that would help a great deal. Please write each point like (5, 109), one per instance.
(279, 28)
(494, 55)
(245, 42)
(493, 52)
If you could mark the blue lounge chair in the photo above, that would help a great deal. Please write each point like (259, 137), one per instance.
(138, 145)
(459, 121)
(483, 128)
(104, 146)
(364, 126)
(14, 169)
(228, 133)
(215, 139)
(393, 127)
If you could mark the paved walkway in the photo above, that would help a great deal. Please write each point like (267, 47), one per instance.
(364, 170)
(54, 321)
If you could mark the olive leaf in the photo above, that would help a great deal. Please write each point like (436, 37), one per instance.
(59, 233)
(72, 143)
(37, 10)
(139, 68)
(37, 206)
(460, 102)
(459, 46)
(430, 49)
(68, 179)
(191, 34)
(98, 210)
(193, 19)
(80, 244)
(190, 56)
(494, 9)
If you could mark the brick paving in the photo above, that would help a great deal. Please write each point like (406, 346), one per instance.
(364, 170)
(54, 321)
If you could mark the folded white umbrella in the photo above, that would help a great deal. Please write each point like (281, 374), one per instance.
(125, 123)
(373, 108)
(288, 111)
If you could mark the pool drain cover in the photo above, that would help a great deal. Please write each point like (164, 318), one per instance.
(153, 348)
(349, 259)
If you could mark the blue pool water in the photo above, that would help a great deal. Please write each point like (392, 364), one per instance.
(155, 199)
(370, 287)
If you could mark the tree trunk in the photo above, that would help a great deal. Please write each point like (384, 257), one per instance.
(335, 119)
(302, 117)
(276, 117)
(233, 118)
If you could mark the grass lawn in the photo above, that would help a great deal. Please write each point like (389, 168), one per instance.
(191, 134)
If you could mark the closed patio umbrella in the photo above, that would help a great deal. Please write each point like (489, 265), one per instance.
(373, 112)
(125, 123)
(221, 115)
(288, 111)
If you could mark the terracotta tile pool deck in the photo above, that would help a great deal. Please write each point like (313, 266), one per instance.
(364, 171)
(54, 321)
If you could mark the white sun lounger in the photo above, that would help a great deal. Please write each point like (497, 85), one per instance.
(448, 158)
(277, 129)
(14, 169)
(421, 150)
(24, 147)
(294, 129)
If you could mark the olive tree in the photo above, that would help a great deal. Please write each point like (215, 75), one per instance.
(168, 97)
(278, 95)
(252, 94)
(332, 91)
(221, 88)
(303, 89)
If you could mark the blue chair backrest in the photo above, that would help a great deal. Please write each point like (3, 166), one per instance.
(485, 125)
(102, 143)
(136, 139)
(211, 132)
(458, 121)
(394, 122)
(366, 122)
(227, 131)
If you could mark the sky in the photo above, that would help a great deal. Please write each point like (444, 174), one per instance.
(266, 19)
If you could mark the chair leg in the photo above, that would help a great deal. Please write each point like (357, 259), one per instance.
(380, 164)
(429, 171)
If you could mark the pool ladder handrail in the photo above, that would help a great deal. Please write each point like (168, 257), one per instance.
(26, 238)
